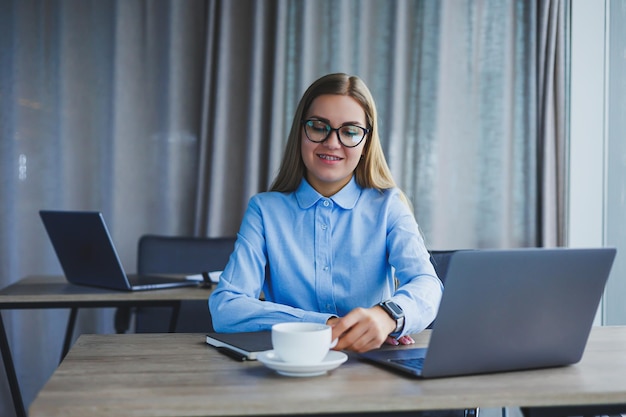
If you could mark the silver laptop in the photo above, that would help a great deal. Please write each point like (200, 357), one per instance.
(87, 255)
(506, 310)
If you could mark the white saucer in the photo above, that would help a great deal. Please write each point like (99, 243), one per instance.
(331, 361)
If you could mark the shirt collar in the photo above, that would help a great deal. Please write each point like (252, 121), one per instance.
(346, 198)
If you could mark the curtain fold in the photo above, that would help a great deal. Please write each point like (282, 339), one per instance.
(552, 79)
(236, 127)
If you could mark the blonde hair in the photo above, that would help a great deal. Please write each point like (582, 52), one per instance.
(371, 172)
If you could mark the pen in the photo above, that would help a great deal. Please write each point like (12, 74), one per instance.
(231, 353)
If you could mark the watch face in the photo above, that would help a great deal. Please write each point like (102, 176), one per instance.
(395, 307)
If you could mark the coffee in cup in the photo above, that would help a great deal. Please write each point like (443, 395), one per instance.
(302, 343)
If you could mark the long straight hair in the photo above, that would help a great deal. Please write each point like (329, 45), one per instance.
(371, 172)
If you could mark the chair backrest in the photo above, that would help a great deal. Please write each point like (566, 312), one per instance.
(440, 260)
(182, 254)
(158, 254)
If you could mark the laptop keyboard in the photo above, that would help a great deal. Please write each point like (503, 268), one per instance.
(414, 363)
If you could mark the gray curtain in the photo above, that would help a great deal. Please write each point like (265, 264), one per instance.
(471, 99)
(168, 115)
(100, 104)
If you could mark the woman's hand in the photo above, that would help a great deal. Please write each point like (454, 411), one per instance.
(363, 329)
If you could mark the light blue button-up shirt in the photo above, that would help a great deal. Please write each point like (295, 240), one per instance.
(314, 257)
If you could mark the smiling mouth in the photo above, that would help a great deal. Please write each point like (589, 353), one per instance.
(329, 157)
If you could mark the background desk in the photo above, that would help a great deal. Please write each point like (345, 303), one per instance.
(178, 374)
(39, 292)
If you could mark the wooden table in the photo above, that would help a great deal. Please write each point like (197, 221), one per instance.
(44, 292)
(179, 375)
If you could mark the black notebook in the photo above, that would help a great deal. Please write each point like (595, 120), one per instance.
(241, 346)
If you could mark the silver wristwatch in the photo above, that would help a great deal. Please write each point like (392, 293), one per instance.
(395, 312)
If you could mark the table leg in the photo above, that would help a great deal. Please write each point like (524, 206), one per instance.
(174, 317)
(10, 371)
(69, 332)
(122, 319)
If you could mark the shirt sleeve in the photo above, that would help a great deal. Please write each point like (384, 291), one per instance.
(419, 290)
(235, 304)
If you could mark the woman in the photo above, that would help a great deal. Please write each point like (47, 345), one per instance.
(334, 240)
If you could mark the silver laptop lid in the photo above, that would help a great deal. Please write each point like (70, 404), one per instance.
(516, 309)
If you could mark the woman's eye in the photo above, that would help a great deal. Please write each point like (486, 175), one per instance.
(318, 126)
(350, 131)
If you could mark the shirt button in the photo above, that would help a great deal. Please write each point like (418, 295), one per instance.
(325, 268)
(324, 227)
(326, 203)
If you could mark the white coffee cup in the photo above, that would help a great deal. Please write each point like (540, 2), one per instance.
(302, 343)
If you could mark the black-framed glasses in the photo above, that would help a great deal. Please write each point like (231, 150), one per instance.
(349, 135)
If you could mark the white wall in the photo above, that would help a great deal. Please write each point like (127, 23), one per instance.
(597, 170)
(587, 138)
(615, 130)
(588, 142)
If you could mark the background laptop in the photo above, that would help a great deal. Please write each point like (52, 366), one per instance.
(505, 310)
(87, 255)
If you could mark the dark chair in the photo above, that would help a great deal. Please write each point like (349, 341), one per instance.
(440, 260)
(179, 255)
